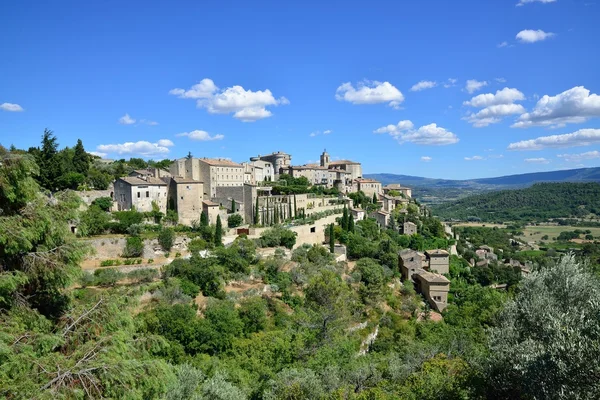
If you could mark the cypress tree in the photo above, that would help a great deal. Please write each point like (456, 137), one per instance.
(374, 198)
(345, 219)
(350, 223)
(331, 239)
(295, 207)
(256, 215)
(219, 232)
(232, 205)
(203, 219)
(275, 214)
(289, 209)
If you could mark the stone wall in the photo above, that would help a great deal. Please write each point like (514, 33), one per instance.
(112, 248)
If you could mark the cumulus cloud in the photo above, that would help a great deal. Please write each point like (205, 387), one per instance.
(474, 85)
(201, 136)
(370, 93)
(142, 148)
(317, 133)
(428, 135)
(575, 105)
(495, 106)
(417, 87)
(474, 158)
(97, 153)
(426, 158)
(126, 120)
(246, 105)
(540, 160)
(532, 36)
(582, 137)
(327, 132)
(165, 143)
(523, 2)
(500, 80)
(589, 155)
(503, 44)
(11, 107)
(451, 82)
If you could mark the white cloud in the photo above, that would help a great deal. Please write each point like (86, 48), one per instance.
(503, 44)
(417, 87)
(148, 122)
(474, 85)
(500, 80)
(246, 105)
(126, 120)
(317, 133)
(11, 107)
(474, 158)
(589, 155)
(327, 132)
(426, 158)
(496, 156)
(428, 135)
(451, 82)
(572, 106)
(582, 137)
(540, 160)
(496, 106)
(531, 36)
(523, 2)
(142, 148)
(370, 93)
(165, 143)
(97, 153)
(201, 136)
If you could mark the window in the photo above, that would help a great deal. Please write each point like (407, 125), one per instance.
(147, 193)
(139, 195)
(313, 229)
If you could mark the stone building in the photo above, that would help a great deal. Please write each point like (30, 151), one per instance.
(357, 213)
(409, 228)
(212, 172)
(140, 193)
(410, 261)
(396, 187)
(438, 260)
(353, 168)
(382, 218)
(185, 197)
(278, 161)
(368, 186)
(434, 287)
(212, 211)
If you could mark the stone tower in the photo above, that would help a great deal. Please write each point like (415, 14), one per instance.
(325, 159)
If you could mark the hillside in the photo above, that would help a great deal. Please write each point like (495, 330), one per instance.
(538, 202)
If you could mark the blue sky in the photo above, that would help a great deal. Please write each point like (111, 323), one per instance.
(274, 75)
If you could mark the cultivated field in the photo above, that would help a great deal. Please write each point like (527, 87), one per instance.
(535, 233)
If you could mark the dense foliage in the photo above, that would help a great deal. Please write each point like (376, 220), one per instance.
(539, 202)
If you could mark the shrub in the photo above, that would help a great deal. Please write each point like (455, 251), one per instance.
(234, 220)
(104, 203)
(86, 279)
(107, 263)
(150, 260)
(177, 255)
(143, 275)
(166, 236)
(134, 247)
(107, 277)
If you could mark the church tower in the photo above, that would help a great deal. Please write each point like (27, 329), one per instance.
(325, 159)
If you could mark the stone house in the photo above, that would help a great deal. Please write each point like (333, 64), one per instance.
(406, 192)
(211, 171)
(410, 261)
(357, 213)
(409, 228)
(185, 197)
(140, 193)
(368, 186)
(212, 211)
(382, 218)
(278, 163)
(438, 261)
(434, 287)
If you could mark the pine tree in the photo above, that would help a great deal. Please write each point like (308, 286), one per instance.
(219, 232)
(331, 239)
(49, 161)
(350, 223)
(81, 161)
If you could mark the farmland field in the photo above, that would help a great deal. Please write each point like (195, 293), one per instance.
(535, 233)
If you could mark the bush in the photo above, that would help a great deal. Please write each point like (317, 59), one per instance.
(94, 221)
(278, 236)
(105, 203)
(134, 247)
(107, 277)
(166, 236)
(143, 275)
(234, 220)
(86, 279)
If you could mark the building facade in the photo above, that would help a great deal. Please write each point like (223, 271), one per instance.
(140, 192)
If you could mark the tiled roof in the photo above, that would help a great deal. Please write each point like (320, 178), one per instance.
(220, 162)
(393, 186)
(431, 277)
(437, 252)
(367, 180)
(135, 181)
(210, 203)
(341, 162)
(179, 179)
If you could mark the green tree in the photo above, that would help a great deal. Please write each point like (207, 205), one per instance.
(547, 336)
(134, 247)
(372, 278)
(232, 205)
(81, 161)
(203, 219)
(234, 220)
(219, 232)
(331, 239)
(93, 221)
(253, 314)
(166, 237)
(49, 161)
(344, 222)
(350, 223)
(256, 215)
(374, 198)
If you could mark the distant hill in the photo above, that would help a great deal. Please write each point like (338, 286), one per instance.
(435, 191)
(538, 202)
(569, 175)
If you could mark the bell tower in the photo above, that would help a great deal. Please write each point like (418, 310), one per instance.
(325, 159)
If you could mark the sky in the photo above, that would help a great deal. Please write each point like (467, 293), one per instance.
(434, 88)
